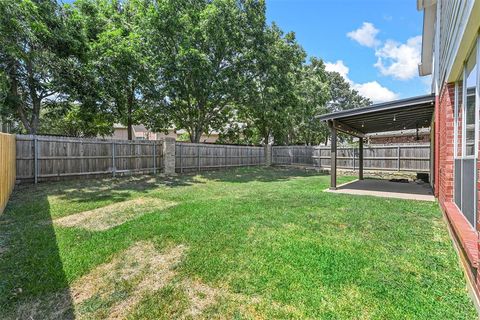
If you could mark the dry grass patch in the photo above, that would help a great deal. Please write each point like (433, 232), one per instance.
(107, 217)
(194, 299)
(200, 297)
(111, 290)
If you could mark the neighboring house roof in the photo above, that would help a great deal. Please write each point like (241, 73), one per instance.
(141, 129)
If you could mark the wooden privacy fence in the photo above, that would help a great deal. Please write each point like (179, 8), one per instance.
(285, 155)
(402, 157)
(197, 156)
(7, 168)
(41, 158)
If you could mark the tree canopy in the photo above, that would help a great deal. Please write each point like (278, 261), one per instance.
(197, 65)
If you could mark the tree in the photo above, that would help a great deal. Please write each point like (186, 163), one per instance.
(342, 96)
(37, 43)
(272, 100)
(118, 64)
(68, 119)
(203, 49)
(313, 94)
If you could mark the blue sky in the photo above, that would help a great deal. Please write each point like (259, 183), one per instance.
(374, 44)
(377, 41)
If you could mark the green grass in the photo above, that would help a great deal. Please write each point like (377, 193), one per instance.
(269, 242)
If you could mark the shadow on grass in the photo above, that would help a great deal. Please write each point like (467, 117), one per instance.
(261, 174)
(30, 264)
(120, 189)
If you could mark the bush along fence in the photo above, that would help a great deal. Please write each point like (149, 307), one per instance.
(43, 158)
(7, 168)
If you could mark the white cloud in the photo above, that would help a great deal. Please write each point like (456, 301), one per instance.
(399, 60)
(375, 91)
(372, 90)
(365, 35)
(339, 67)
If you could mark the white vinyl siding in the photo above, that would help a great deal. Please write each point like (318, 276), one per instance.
(453, 19)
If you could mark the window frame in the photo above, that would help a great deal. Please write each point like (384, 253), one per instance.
(463, 122)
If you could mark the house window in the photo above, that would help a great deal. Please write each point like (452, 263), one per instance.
(466, 137)
(458, 118)
(470, 82)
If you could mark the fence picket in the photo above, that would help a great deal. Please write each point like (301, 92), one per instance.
(46, 158)
(377, 157)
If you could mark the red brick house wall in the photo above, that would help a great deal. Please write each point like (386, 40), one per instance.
(445, 143)
(444, 128)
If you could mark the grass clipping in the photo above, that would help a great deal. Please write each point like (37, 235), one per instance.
(113, 215)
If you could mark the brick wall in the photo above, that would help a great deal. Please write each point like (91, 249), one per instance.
(445, 127)
(444, 130)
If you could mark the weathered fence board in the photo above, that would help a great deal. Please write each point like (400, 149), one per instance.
(198, 156)
(7, 168)
(40, 158)
(47, 158)
(402, 157)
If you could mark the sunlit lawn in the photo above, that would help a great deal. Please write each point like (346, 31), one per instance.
(246, 243)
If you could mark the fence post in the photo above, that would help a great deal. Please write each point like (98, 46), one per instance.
(225, 156)
(268, 155)
(35, 159)
(398, 158)
(353, 158)
(82, 162)
(198, 158)
(154, 157)
(180, 146)
(114, 165)
(169, 156)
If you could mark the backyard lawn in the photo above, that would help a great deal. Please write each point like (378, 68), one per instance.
(246, 244)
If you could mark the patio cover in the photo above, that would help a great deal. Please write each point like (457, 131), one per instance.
(404, 114)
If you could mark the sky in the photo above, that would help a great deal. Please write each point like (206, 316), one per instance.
(373, 44)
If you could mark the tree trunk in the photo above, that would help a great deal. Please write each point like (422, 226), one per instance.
(14, 95)
(129, 123)
(35, 121)
(266, 138)
(196, 135)
(129, 114)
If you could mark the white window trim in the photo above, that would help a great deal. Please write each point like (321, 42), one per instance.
(464, 127)
(455, 124)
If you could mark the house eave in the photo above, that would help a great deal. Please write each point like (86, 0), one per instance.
(428, 36)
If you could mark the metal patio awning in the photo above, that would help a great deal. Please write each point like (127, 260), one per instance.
(405, 114)
(411, 113)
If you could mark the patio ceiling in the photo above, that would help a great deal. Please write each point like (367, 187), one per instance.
(404, 114)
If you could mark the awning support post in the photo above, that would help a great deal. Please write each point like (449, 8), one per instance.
(333, 154)
(360, 159)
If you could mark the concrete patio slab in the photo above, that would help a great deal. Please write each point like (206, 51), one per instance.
(387, 189)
